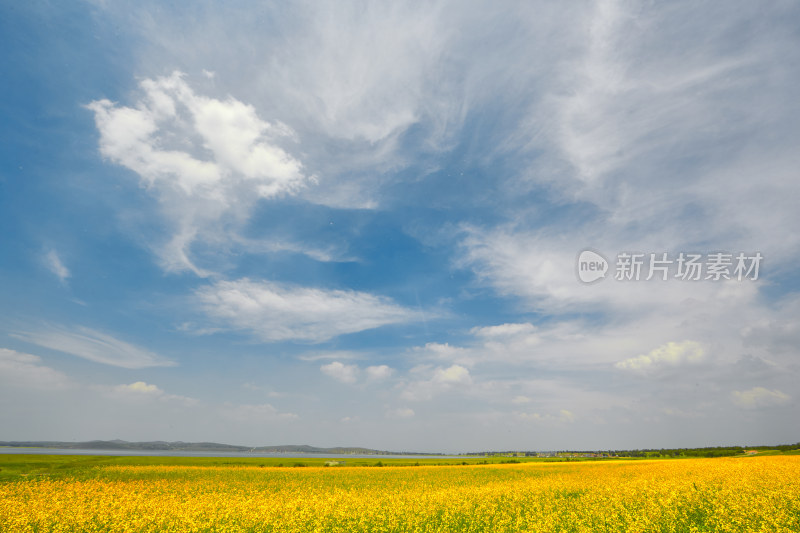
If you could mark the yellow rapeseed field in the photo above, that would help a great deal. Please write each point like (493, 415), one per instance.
(684, 495)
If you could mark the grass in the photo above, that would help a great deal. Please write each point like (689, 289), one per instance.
(14, 466)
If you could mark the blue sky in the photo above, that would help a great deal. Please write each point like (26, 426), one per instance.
(261, 223)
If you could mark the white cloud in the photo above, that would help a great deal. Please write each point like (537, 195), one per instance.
(94, 346)
(379, 372)
(455, 374)
(56, 266)
(401, 412)
(352, 72)
(435, 380)
(254, 413)
(642, 150)
(140, 390)
(563, 415)
(759, 397)
(443, 351)
(354, 79)
(606, 322)
(278, 312)
(267, 390)
(537, 268)
(504, 330)
(664, 146)
(625, 109)
(140, 387)
(341, 372)
(670, 354)
(335, 354)
(351, 373)
(18, 369)
(566, 415)
(206, 160)
(646, 129)
(520, 400)
(357, 93)
(508, 343)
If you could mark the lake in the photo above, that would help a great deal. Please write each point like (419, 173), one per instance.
(179, 453)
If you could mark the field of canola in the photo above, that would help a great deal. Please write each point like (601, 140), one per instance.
(730, 494)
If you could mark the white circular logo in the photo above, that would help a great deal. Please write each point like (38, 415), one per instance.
(591, 266)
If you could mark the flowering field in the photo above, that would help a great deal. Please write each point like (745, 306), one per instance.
(729, 494)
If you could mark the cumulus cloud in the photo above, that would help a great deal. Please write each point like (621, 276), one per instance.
(455, 374)
(140, 387)
(521, 343)
(435, 380)
(18, 369)
(563, 415)
(670, 354)
(94, 346)
(647, 126)
(379, 372)
(341, 372)
(205, 160)
(140, 390)
(401, 412)
(279, 312)
(351, 373)
(355, 80)
(443, 351)
(758, 397)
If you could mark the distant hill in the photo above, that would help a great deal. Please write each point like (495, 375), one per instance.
(122, 445)
(339, 450)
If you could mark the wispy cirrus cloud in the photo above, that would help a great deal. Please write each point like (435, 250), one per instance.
(279, 312)
(644, 150)
(54, 264)
(369, 90)
(94, 346)
(620, 125)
